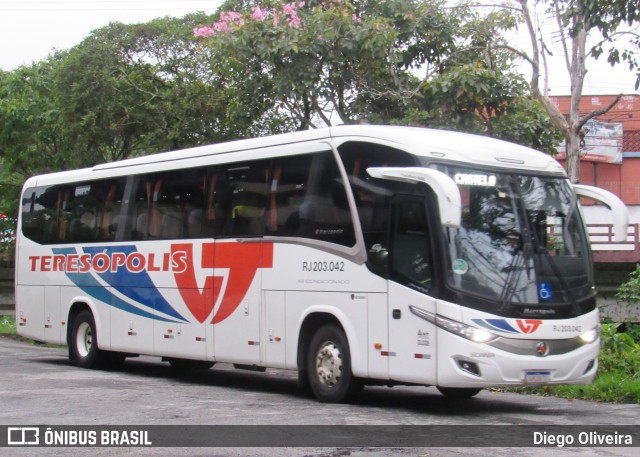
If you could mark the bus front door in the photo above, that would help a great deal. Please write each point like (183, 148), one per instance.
(412, 354)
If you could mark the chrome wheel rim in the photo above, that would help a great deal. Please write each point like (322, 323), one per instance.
(329, 364)
(84, 339)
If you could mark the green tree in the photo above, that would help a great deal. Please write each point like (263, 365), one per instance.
(473, 98)
(629, 292)
(31, 134)
(126, 90)
(476, 88)
(420, 62)
(129, 90)
(576, 21)
(317, 59)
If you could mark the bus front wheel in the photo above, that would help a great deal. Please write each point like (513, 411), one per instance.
(84, 345)
(329, 366)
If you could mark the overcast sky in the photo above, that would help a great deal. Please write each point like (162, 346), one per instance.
(31, 29)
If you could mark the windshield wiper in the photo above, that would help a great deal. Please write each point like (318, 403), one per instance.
(515, 269)
(544, 252)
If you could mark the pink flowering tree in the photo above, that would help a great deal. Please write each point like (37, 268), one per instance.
(423, 62)
(327, 61)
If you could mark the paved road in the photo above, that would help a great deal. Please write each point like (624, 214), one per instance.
(38, 386)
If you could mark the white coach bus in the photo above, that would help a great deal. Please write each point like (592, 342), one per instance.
(355, 255)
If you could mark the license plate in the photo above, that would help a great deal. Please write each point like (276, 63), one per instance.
(537, 377)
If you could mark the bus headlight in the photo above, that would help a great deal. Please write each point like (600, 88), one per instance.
(474, 334)
(477, 335)
(590, 335)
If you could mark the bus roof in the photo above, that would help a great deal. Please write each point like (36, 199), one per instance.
(434, 144)
(458, 147)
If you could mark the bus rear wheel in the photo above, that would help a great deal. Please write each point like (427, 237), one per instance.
(83, 343)
(329, 366)
(459, 392)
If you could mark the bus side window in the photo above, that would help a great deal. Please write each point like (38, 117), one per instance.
(92, 209)
(38, 223)
(372, 196)
(191, 201)
(61, 214)
(325, 213)
(217, 201)
(170, 205)
(110, 217)
(288, 186)
(246, 186)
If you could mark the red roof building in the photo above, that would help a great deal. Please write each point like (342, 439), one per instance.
(622, 178)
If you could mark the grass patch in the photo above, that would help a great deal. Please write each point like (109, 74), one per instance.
(8, 328)
(8, 325)
(612, 387)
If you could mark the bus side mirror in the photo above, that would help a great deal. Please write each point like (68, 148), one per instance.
(617, 207)
(446, 190)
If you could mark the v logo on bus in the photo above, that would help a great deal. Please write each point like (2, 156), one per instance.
(242, 261)
(529, 325)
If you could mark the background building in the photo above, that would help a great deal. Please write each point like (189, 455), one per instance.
(620, 177)
(611, 160)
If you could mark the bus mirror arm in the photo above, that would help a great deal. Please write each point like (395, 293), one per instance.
(445, 188)
(618, 208)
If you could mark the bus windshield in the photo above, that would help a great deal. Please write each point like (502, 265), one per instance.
(521, 242)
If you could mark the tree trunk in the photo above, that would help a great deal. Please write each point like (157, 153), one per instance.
(572, 139)
(573, 38)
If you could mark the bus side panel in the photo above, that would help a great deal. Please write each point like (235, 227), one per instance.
(317, 281)
(29, 292)
(306, 268)
(188, 291)
(30, 311)
(130, 332)
(378, 336)
(237, 339)
(181, 339)
(412, 340)
(53, 317)
(237, 298)
(274, 332)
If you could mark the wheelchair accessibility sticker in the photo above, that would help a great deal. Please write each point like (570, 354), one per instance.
(544, 291)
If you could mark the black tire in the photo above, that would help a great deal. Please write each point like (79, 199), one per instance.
(83, 345)
(303, 383)
(459, 392)
(329, 366)
(113, 360)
